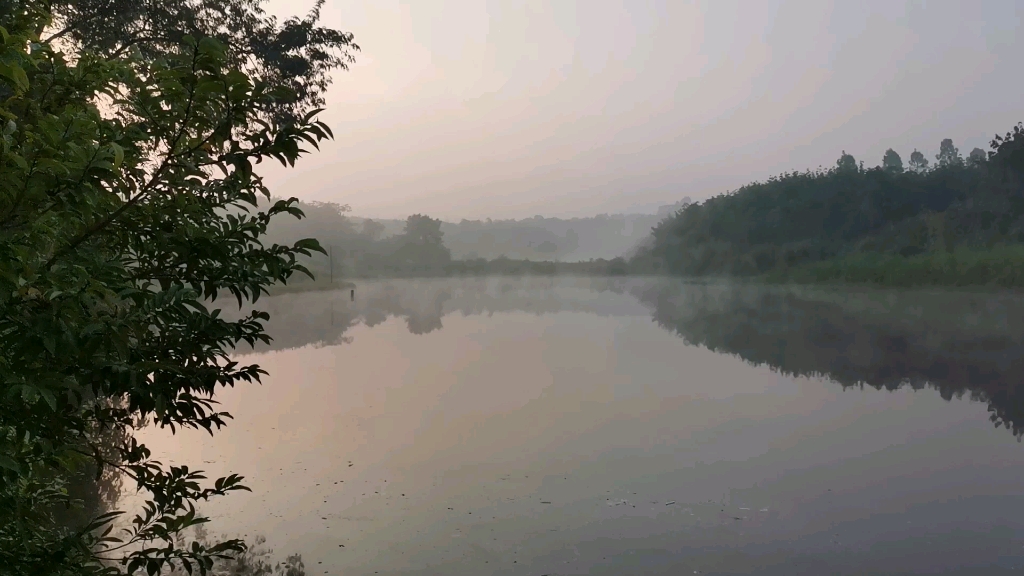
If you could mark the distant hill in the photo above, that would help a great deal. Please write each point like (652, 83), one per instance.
(539, 238)
(959, 221)
(362, 246)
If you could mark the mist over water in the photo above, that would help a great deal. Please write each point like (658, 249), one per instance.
(632, 425)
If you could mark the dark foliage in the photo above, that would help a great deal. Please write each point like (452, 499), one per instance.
(298, 54)
(801, 218)
(128, 210)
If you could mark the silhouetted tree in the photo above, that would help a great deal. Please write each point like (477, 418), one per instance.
(422, 242)
(892, 162)
(423, 230)
(948, 154)
(296, 55)
(977, 157)
(1008, 150)
(847, 163)
(918, 163)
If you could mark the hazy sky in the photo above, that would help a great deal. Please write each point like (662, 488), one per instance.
(509, 108)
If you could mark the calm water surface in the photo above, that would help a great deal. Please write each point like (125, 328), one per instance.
(500, 426)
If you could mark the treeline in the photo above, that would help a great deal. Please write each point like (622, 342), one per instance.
(361, 241)
(919, 224)
(539, 238)
(364, 248)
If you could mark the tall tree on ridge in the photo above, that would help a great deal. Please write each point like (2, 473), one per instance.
(892, 162)
(918, 163)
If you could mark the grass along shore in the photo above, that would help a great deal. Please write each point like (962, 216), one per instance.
(998, 266)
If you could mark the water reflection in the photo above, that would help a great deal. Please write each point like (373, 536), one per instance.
(324, 318)
(556, 426)
(959, 343)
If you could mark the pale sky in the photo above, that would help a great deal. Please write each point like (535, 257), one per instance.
(507, 109)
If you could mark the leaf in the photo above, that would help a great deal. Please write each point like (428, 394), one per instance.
(211, 47)
(15, 74)
(118, 154)
(49, 343)
(48, 397)
(9, 463)
(309, 115)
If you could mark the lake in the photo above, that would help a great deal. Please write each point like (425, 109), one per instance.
(628, 426)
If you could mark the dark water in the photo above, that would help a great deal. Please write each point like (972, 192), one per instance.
(630, 427)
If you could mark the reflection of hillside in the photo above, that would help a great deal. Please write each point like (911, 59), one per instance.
(323, 318)
(957, 343)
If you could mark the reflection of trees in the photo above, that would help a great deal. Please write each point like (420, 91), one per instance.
(957, 343)
(419, 323)
(954, 342)
(323, 318)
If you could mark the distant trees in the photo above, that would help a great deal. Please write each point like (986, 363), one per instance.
(948, 154)
(847, 163)
(372, 229)
(918, 163)
(422, 243)
(547, 247)
(892, 162)
(423, 230)
(572, 239)
(800, 218)
(1008, 150)
(976, 158)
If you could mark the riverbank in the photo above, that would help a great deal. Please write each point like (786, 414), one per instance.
(310, 286)
(351, 283)
(464, 269)
(998, 266)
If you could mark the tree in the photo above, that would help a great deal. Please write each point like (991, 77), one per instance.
(918, 163)
(1008, 151)
(373, 229)
(948, 154)
(422, 242)
(892, 162)
(547, 247)
(572, 240)
(846, 163)
(297, 55)
(977, 157)
(423, 230)
(121, 225)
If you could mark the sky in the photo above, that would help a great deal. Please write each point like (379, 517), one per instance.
(515, 108)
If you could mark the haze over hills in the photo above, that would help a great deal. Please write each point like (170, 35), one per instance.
(539, 238)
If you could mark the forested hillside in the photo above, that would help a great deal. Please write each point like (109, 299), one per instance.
(960, 220)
